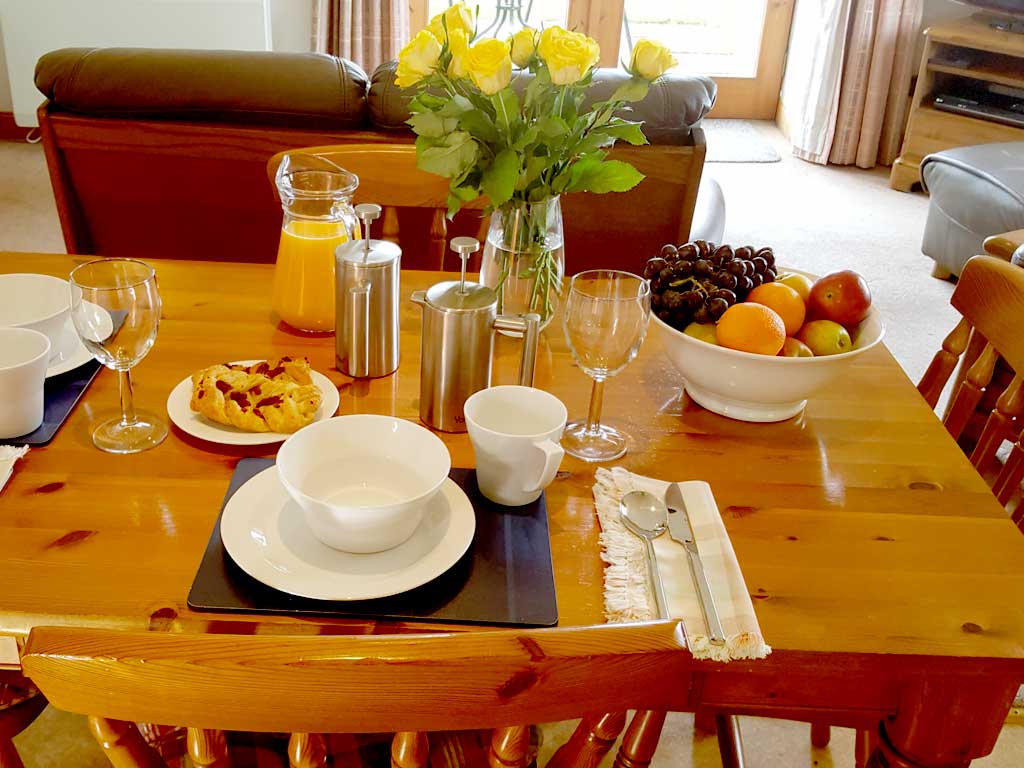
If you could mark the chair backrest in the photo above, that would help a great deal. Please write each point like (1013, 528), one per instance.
(990, 298)
(600, 230)
(388, 175)
(357, 683)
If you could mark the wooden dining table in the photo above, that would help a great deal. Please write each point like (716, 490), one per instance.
(884, 574)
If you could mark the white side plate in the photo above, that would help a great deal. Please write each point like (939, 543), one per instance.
(265, 532)
(191, 422)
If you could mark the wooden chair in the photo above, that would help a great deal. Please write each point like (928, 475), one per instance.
(20, 705)
(407, 684)
(388, 176)
(990, 298)
(600, 230)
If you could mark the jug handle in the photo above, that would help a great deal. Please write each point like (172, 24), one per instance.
(358, 307)
(529, 326)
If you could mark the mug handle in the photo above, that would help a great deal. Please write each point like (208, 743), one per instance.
(553, 454)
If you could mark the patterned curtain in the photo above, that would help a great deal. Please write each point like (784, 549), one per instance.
(875, 89)
(368, 32)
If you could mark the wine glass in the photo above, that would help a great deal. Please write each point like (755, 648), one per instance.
(605, 322)
(115, 308)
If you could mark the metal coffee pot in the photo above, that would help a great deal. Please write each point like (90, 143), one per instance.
(367, 284)
(459, 321)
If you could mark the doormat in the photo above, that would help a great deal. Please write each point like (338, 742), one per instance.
(737, 141)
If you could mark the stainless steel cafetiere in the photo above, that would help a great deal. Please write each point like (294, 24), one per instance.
(459, 321)
(366, 321)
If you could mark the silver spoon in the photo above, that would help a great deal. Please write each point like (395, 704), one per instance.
(645, 515)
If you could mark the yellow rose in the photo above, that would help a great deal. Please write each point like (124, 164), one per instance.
(458, 44)
(489, 65)
(523, 43)
(651, 60)
(418, 59)
(456, 16)
(569, 55)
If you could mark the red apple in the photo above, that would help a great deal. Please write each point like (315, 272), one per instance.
(842, 297)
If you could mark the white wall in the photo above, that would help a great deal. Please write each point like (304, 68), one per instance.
(291, 30)
(936, 12)
(291, 25)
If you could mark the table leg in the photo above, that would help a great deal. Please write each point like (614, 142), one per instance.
(943, 724)
(9, 755)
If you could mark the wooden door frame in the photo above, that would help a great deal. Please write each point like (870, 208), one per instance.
(750, 97)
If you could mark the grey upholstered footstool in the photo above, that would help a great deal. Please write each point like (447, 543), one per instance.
(975, 192)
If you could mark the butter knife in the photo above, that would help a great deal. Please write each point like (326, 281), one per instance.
(681, 530)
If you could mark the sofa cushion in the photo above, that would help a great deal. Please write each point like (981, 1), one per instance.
(258, 87)
(675, 102)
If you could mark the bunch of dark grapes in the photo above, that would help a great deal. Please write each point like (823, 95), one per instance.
(698, 281)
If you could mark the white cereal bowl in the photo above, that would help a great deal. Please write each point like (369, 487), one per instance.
(760, 388)
(362, 480)
(37, 302)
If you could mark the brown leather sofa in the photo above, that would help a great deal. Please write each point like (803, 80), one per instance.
(162, 153)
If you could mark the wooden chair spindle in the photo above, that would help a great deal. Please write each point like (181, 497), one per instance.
(590, 742)
(942, 365)
(208, 748)
(641, 740)
(999, 426)
(509, 747)
(971, 390)
(410, 749)
(307, 750)
(123, 745)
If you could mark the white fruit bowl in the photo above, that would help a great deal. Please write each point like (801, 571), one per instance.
(761, 388)
(363, 481)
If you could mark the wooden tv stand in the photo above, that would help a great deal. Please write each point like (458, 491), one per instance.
(963, 49)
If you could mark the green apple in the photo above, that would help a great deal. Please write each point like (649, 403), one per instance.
(795, 348)
(703, 331)
(825, 337)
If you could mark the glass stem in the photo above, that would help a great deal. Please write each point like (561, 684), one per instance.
(596, 401)
(127, 402)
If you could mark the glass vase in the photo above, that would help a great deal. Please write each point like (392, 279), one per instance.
(524, 258)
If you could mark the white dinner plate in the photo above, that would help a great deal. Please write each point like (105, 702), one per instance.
(71, 352)
(189, 421)
(266, 534)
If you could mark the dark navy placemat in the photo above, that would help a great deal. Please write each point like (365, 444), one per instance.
(505, 577)
(60, 393)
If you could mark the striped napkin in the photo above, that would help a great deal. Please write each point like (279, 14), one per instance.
(627, 596)
(8, 455)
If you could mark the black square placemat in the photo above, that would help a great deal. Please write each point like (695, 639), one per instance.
(505, 577)
(60, 393)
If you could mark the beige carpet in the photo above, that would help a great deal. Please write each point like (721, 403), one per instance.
(817, 219)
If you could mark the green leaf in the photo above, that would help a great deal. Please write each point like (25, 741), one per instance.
(426, 101)
(552, 127)
(432, 124)
(500, 179)
(506, 107)
(634, 89)
(535, 166)
(456, 106)
(479, 124)
(630, 132)
(592, 175)
(449, 156)
(526, 138)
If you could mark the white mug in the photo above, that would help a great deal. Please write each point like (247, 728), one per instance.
(24, 356)
(515, 432)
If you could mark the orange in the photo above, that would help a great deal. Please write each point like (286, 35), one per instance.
(799, 283)
(751, 327)
(785, 301)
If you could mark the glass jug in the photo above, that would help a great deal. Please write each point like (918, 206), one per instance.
(316, 196)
